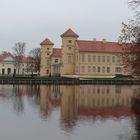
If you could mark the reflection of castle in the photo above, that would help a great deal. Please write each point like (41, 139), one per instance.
(103, 100)
(68, 104)
(49, 97)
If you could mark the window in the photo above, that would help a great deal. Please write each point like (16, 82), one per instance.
(94, 58)
(108, 69)
(89, 68)
(69, 47)
(48, 48)
(108, 58)
(103, 58)
(8, 70)
(76, 68)
(69, 41)
(83, 57)
(23, 71)
(89, 58)
(98, 58)
(103, 69)
(56, 60)
(118, 70)
(113, 58)
(94, 69)
(3, 71)
(77, 58)
(14, 71)
(69, 59)
(3, 65)
(47, 71)
(98, 69)
(83, 69)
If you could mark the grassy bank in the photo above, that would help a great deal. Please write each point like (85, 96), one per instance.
(30, 77)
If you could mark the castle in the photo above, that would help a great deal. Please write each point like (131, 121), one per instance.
(82, 58)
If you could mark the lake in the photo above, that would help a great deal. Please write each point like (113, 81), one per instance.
(81, 112)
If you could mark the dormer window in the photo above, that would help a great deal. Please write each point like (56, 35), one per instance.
(69, 47)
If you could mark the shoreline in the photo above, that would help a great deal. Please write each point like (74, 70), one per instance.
(70, 81)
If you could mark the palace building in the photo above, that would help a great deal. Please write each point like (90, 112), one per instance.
(82, 58)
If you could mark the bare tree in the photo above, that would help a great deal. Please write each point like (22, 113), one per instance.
(131, 35)
(36, 54)
(19, 52)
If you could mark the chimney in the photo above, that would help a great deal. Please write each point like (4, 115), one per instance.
(104, 40)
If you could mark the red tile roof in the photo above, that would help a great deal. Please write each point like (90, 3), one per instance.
(56, 52)
(100, 46)
(25, 59)
(46, 42)
(69, 33)
(22, 59)
(5, 55)
(106, 112)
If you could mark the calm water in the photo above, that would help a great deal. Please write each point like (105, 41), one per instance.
(85, 112)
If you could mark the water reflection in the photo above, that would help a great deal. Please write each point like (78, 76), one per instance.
(78, 103)
(136, 110)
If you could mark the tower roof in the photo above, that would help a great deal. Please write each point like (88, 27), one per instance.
(69, 33)
(46, 42)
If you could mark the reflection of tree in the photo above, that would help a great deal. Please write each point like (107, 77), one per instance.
(32, 91)
(136, 110)
(18, 101)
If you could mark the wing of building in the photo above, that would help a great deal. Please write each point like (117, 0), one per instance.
(10, 64)
(82, 58)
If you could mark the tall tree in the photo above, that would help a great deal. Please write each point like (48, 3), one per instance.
(36, 54)
(19, 52)
(131, 35)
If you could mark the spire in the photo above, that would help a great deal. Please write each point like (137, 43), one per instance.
(46, 42)
(69, 33)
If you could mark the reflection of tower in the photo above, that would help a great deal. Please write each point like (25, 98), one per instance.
(55, 95)
(68, 105)
(45, 100)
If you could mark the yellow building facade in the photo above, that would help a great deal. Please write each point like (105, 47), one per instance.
(82, 58)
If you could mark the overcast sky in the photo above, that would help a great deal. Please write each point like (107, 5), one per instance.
(31, 21)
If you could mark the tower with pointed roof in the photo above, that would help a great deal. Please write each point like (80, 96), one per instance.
(46, 52)
(68, 52)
